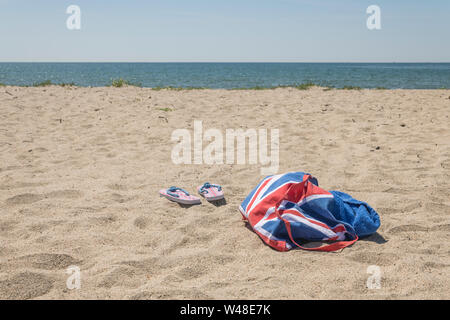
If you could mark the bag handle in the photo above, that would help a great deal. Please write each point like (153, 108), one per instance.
(295, 191)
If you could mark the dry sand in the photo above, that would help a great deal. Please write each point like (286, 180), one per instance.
(80, 170)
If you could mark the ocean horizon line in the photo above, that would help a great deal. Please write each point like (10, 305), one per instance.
(287, 62)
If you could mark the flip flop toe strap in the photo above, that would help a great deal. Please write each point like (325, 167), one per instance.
(208, 185)
(171, 191)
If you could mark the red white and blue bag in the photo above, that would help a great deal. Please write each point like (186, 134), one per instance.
(289, 208)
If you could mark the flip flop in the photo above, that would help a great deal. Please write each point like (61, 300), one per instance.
(179, 195)
(211, 192)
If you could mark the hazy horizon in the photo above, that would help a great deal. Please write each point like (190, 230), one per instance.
(212, 61)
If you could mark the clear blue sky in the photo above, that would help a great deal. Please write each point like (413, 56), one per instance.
(227, 30)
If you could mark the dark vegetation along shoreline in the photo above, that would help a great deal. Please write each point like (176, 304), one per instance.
(119, 83)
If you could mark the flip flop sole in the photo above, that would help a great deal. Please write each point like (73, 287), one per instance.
(219, 197)
(216, 195)
(180, 200)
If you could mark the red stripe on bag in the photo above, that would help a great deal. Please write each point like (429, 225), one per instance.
(296, 189)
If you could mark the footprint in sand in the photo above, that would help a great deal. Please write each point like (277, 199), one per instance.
(117, 187)
(200, 266)
(441, 227)
(375, 258)
(19, 185)
(119, 276)
(65, 194)
(430, 265)
(407, 228)
(26, 198)
(118, 198)
(9, 168)
(48, 261)
(29, 198)
(171, 294)
(191, 272)
(141, 222)
(103, 220)
(26, 285)
(40, 149)
(148, 266)
(439, 208)
(7, 225)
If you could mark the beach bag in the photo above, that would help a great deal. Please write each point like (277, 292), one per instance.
(288, 209)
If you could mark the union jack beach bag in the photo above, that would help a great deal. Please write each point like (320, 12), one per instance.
(289, 208)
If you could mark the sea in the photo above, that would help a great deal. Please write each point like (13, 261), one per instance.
(232, 75)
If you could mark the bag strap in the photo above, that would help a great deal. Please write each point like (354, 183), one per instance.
(330, 247)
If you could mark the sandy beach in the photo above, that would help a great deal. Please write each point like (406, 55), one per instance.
(80, 171)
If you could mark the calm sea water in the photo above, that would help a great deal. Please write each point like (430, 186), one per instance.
(233, 75)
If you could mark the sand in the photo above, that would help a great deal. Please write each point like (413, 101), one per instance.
(80, 171)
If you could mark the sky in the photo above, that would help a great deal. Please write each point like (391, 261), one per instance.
(225, 31)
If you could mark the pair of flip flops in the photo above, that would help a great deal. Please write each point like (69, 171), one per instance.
(210, 192)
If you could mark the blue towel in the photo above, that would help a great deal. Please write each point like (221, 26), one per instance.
(358, 214)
